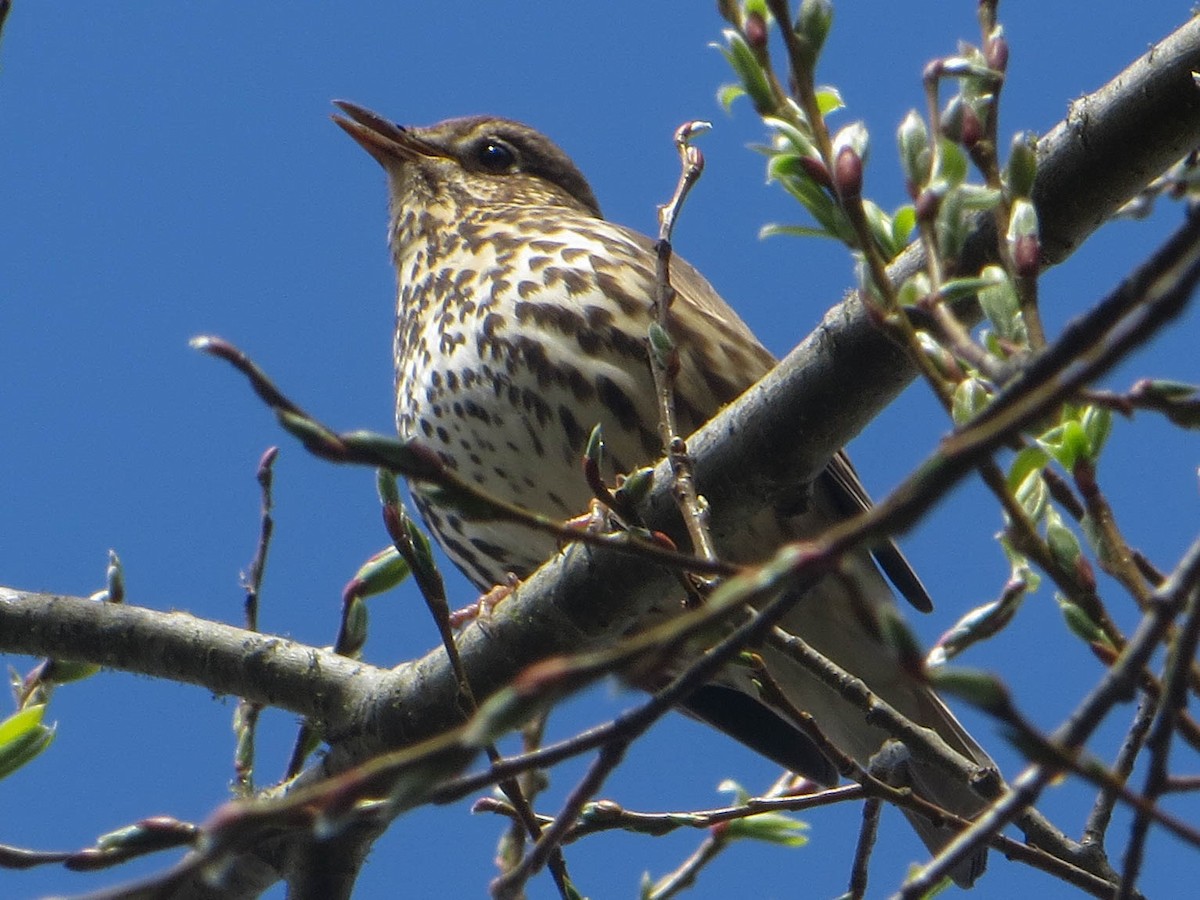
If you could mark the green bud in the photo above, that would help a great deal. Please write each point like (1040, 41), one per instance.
(61, 671)
(386, 487)
(1080, 623)
(1022, 238)
(1097, 426)
(422, 550)
(970, 397)
(916, 156)
(1063, 544)
(636, 486)
(354, 628)
(1021, 170)
(380, 573)
(854, 137)
(813, 22)
(978, 688)
(998, 300)
(115, 578)
(661, 345)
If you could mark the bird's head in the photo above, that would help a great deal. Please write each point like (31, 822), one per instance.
(474, 161)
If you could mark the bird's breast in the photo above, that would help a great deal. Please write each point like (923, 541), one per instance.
(511, 345)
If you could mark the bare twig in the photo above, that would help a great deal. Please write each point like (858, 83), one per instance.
(245, 717)
(664, 356)
(862, 850)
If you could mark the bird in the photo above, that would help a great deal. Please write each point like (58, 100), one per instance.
(521, 323)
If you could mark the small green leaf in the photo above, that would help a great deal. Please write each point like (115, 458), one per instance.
(950, 226)
(770, 828)
(747, 67)
(774, 229)
(1031, 459)
(422, 549)
(1066, 443)
(904, 220)
(951, 168)
(880, 225)
(1032, 495)
(915, 289)
(829, 99)
(727, 94)
(22, 738)
(386, 487)
(799, 139)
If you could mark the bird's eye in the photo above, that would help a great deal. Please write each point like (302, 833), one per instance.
(494, 155)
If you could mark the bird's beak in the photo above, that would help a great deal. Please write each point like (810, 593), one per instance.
(388, 142)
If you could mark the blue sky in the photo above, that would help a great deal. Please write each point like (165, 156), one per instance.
(169, 169)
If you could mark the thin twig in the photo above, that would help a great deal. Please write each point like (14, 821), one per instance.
(1100, 816)
(245, 717)
(862, 850)
(664, 356)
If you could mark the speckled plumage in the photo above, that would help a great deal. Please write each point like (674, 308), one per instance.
(521, 323)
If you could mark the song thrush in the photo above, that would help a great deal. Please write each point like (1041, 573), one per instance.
(521, 323)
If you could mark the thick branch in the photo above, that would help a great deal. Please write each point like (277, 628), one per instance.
(221, 658)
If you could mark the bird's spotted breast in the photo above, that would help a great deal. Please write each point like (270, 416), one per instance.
(515, 357)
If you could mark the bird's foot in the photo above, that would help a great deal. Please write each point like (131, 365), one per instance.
(483, 607)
